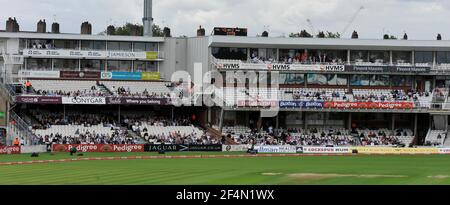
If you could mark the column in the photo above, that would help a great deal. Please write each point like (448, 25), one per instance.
(348, 57)
(277, 121)
(305, 121)
(222, 112)
(349, 121)
(415, 124)
(393, 122)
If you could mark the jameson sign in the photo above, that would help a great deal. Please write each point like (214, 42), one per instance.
(42, 53)
(135, 101)
(10, 150)
(84, 100)
(98, 148)
(38, 100)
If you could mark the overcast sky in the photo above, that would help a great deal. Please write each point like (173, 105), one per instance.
(421, 19)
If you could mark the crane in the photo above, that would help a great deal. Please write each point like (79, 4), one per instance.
(352, 20)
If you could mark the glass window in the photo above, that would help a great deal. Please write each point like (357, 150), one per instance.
(145, 66)
(423, 57)
(119, 46)
(92, 65)
(290, 78)
(119, 66)
(399, 81)
(317, 79)
(93, 45)
(40, 44)
(360, 80)
(401, 57)
(359, 56)
(39, 64)
(379, 80)
(379, 57)
(66, 64)
(334, 79)
(230, 53)
(442, 57)
(66, 44)
(141, 46)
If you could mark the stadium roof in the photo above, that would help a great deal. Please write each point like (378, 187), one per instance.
(31, 35)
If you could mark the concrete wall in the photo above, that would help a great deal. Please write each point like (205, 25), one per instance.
(175, 56)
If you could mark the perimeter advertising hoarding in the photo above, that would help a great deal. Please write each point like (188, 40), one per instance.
(39, 74)
(280, 67)
(235, 148)
(302, 104)
(38, 100)
(80, 75)
(182, 148)
(369, 105)
(10, 150)
(388, 69)
(393, 150)
(151, 76)
(127, 55)
(276, 149)
(126, 76)
(135, 101)
(84, 100)
(324, 150)
(98, 148)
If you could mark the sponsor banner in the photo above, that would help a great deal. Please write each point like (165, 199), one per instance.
(84, 101)
(369, 105)
(126, 55)
(106, 75)
(248, 103)
(152, 55)
(33, 149)
(166, 147)
(280, 67)
(444, 150)
(38, 100)
(301, 104)
(38, 74)
(182, 148)
(98, 148)
(276, 149)
(2, 115)
(388, 69)
(392, 150)
(135, 101)
(324, 150)
(235, 148)
(80, 75)
(126, 76)
(10, 150)
(151, 76)
(332, 68)
(205, 148)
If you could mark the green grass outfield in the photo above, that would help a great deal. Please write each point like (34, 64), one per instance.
(309, 170)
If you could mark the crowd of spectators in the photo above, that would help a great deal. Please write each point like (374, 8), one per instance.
(394, 95)
(87, 137)
(121, 91)
(46, 119)
(320, 137)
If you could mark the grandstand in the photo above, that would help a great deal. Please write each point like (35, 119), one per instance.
(327, 92)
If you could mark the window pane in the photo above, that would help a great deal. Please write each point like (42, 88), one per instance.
(66, 64)
(92, 65)
(39, 64)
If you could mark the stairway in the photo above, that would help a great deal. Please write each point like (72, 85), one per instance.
(447, 140)
(133, 134)
(217, 135)
(102, 88)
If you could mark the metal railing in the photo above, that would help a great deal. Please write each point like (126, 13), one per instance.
(20, 129)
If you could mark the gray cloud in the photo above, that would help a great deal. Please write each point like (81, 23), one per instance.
(421, 19)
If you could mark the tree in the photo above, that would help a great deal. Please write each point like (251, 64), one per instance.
(135, 29)
(302, 34)
(332, 35)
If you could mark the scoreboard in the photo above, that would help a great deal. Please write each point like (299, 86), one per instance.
(222, 31)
